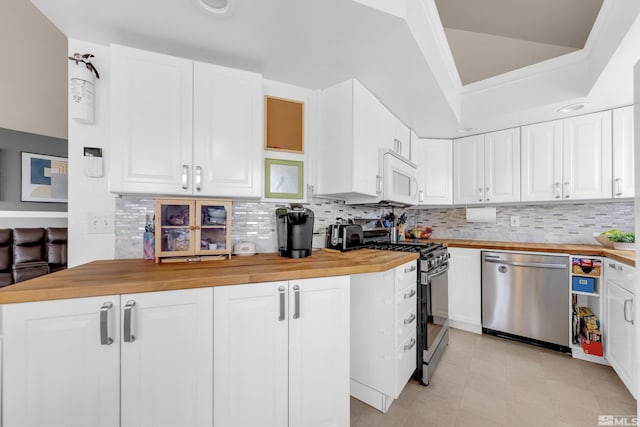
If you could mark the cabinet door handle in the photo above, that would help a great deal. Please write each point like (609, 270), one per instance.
(624, 309)
(105, 339)
(409, 320)
(556, 187)
(128, 308)
(486, 194)
(618, 186)
(378, 184)
(409, 294)
(480, 192)
(410, 269)
(199, 178)
(400, 146)
(185, 177)
(567, 189)
(421, 196)
(409, 346)
(281, 292)
(296, 297)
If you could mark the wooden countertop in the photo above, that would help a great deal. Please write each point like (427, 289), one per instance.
(109, 277)
(627, 257)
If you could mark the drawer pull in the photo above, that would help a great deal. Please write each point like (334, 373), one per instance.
(410, 294)
(410, 269)
(128, 334)
(409, 320)
(281, 292)
(409, 346)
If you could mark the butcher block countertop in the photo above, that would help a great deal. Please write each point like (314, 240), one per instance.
(126, 276)
(627, 257)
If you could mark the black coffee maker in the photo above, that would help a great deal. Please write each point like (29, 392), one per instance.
(294, 226)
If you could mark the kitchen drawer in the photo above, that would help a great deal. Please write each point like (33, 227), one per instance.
(407, 324)
(406, 275)
(622, 274)
(406, 300)
(405, 362)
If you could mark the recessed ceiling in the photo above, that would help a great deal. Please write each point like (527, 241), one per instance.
(397, 49)
(492, 37)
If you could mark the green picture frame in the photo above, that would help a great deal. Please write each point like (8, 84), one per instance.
(284, 179)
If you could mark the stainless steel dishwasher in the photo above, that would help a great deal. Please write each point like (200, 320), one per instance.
(526, 297)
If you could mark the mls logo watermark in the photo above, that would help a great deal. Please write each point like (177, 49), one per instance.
(617, 420)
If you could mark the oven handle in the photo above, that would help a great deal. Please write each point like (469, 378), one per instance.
(439, 272)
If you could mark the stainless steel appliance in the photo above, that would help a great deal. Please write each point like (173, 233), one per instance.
(433, 302)
(344, 237)
(294, 227)
(526, 297)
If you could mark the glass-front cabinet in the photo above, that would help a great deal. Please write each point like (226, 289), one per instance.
(192, 229)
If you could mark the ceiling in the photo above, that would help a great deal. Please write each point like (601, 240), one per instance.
(397, 49)
(490, 37)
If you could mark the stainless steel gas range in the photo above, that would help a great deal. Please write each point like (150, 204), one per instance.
(433, 302)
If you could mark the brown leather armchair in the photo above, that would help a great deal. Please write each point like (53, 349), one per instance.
(6, 257)
(29, 254)
(56, 248)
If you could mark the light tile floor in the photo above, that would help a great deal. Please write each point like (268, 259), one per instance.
(484, 381)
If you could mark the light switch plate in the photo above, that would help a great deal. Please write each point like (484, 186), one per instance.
(100, 223)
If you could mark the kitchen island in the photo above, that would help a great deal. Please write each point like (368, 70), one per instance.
(126, 276)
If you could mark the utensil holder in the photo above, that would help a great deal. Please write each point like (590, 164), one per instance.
(393, 234)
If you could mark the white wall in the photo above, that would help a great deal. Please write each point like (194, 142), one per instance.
(90, 195)
(33, 76)
(636, 124)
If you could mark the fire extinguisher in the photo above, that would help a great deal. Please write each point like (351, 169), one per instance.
(81, 88)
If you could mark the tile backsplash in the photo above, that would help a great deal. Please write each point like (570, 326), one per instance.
(255, 221)
(561, 223)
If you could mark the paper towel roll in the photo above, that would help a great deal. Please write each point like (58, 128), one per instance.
(481, 215)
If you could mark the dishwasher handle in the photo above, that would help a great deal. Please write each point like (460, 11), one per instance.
(526, 264)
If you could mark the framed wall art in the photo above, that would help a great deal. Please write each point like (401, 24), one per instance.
(283, 179)
(44, 178)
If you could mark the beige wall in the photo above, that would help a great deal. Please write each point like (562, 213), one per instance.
(33, 75)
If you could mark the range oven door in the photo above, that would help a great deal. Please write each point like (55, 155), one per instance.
(399, 183)
(435, 305)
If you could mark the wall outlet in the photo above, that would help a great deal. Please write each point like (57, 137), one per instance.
(100, 223)
(515, 221)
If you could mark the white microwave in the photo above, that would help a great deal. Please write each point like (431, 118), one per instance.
(399, 183)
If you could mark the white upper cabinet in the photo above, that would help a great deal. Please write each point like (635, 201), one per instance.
(180, 128)
(434, 158)
(468, 169)
(568, 159)
(487, 168)
(502, 166)
(351, 134)
(151, 122)
(542, 162)
(586, 160)
(227, 132)
(623, 152)
(402, 138)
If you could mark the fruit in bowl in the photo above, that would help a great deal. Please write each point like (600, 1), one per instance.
(418, 233)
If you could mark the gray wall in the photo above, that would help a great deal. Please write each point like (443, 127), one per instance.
(11, 144)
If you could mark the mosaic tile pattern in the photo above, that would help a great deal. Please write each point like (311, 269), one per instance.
(255, 221)
(561, 223)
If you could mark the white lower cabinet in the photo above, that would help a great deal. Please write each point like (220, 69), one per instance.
(621, 347)
(72, 362)
(166, 372)
(281, 354)
(383, 334)
(465, 289)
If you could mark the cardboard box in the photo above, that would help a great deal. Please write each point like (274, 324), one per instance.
(586, 266)
(591, 347)
(583, 284)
